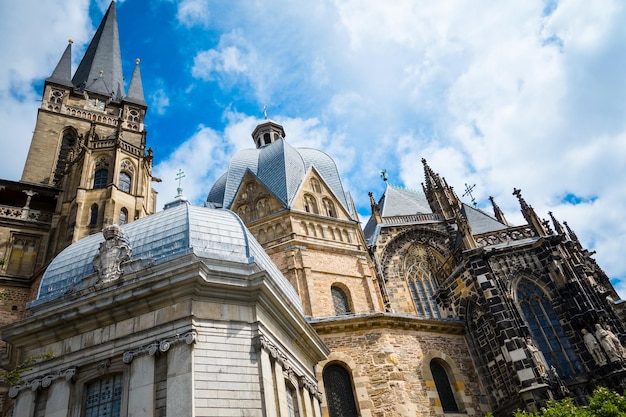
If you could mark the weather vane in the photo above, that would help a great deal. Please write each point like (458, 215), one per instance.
(383, 175)
(468, 191)
(179, 176)
(265, 112)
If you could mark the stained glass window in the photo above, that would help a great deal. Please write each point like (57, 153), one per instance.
(444, 389)
(420, 282)
(546, 329)
(339, 393)
(104, 397)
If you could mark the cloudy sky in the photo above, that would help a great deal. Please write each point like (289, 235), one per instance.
(527, 94)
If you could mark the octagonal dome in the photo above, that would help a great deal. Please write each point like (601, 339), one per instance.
(172, 233)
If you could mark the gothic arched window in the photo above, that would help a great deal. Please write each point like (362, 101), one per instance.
(444, 389)
(93, 215)
(124, 182)
(100, 178)
(310, 204)
(546, 329)
(420, 282)
(104, 397)
(330, 208)
(339, 392)
(123, 216)
(340, 301)
(67, 143)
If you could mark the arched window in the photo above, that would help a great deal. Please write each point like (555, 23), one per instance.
(444, 389)
(292, 401)
(310, 204)
(420, 282)
(546, 329)
(93, 217)
(104, 397)
(330, 208)
(244, 213)
(262, 207)
(340, 301)
(67, 143)
(124, 182)
(100, 178)
(267, 139)
(339, 392)
(123, 216)
(315, 185)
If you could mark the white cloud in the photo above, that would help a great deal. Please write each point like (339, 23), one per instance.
(159, 101)
(193, 13)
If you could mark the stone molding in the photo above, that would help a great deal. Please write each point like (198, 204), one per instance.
(43, 382)
(289, 372)
(160, 345)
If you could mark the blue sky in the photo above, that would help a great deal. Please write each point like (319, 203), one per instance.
(511, 94)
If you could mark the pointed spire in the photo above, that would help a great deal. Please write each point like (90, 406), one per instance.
(529, 213)
(62, 74)
(571, 233)
(375, 209)
(557, 226)
(100, 70)
(497, 212)
(135, 89)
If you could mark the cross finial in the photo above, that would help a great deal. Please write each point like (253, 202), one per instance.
(179, 176)
(383, 175)
(468, 191)
(265, 112)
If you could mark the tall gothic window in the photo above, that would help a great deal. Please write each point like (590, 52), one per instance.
(546, 329)
(67, 143)
(420, 282)
(124, 182)
(339, 392)
(93, 216)
(444, 389)
(340, 301)
(104, 397)
(100, 178)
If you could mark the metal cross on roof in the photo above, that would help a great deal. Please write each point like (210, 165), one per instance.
(179, 176)
(383, 175)
(468, 191)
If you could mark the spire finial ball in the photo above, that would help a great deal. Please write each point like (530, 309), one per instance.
(70, 41)
(137, 60)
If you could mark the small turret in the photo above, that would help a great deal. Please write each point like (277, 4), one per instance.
(529, 214)
(497, 212)
(267, 132)
(62, 73)
(135, 89)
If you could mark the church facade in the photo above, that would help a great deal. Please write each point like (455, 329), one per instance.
(271, 300)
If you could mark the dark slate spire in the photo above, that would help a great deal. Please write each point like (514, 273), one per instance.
(135, 89)
(100, 70)
(62, 74)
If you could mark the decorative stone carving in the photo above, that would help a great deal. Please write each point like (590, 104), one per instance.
(112, 253)
(537, 357)
(610, 343)
(42, 382)
(162, 345)
(594, 348)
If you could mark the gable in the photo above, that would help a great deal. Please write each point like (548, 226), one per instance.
(253, 200)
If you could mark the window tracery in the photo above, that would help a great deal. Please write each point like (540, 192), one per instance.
(546, 329)
(420, 282)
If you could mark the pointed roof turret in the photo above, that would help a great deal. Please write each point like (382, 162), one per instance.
(557, 226)
(62, 74)
(100, 70)
(497, 212)
(375, 209)
(529, 213)
(135, 89)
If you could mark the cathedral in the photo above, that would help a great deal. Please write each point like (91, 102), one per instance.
(271, 299)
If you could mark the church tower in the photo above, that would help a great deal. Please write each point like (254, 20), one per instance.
(90, 141)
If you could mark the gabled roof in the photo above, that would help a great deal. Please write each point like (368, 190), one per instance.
(398, 201)
(481, 221)
(100, 70)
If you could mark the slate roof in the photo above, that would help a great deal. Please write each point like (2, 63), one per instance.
(62, 73)
(103, 54)
(182, 229)
(281, 168)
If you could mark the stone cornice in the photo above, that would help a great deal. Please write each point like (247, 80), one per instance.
(380, 320)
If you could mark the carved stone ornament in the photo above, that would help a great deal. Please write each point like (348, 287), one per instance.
(112, 253)
(42, 382)
(161, 345)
